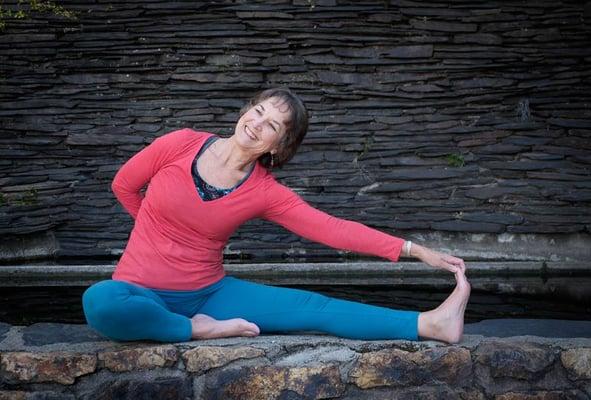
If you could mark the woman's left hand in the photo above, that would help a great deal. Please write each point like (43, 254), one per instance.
(440, 260)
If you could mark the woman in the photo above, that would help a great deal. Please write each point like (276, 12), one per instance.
(169, 284)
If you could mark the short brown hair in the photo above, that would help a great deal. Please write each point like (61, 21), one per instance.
(296, 125)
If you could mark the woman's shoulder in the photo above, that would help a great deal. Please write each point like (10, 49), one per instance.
(186, 134)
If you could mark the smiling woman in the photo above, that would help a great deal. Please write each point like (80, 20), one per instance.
(170, 283)
(285, 114)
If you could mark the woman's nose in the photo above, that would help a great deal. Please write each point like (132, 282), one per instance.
(258, 123)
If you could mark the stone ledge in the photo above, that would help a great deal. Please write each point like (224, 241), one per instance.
(72, 361)
(308, 273)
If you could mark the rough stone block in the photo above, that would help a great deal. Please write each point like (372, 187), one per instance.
(394, 367)
(60, 367)
(12, 395)
(140, 358)
(550, 395)
(201, 359)
(514, 360)
(271, 382)
(147, 388)
(577, 363)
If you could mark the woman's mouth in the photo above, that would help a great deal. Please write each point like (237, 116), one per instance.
(249, 133)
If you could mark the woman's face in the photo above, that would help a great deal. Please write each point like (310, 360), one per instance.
(262, 127)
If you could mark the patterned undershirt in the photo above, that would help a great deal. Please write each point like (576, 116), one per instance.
(206, 191)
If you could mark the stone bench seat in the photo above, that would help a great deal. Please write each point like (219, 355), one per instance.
(68, 361)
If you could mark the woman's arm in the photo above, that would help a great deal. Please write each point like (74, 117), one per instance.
(139, 169)
(289, 210)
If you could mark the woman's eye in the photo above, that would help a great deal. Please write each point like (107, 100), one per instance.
(270, 124)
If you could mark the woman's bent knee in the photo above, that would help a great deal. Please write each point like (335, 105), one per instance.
(101, 303)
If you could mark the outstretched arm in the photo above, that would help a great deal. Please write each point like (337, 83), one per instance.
(289, 210)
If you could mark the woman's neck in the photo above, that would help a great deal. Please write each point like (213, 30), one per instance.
(232, 156)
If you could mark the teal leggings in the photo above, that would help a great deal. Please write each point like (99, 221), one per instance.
(123, 311)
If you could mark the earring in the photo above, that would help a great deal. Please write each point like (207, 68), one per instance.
(271, 160)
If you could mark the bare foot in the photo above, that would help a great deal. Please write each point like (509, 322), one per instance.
(446, 322)
(206, 327)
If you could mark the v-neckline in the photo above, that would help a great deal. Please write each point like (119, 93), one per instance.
(193, 163)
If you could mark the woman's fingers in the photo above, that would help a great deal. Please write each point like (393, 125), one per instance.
(449, 266)
(445, 261)
(454, 264)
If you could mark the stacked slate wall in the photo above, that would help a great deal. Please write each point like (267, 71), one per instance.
(461, 116)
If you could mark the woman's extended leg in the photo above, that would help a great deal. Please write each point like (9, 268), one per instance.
(278, 309)
(123, 311)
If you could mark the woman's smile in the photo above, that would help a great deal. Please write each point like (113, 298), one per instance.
(249, 133)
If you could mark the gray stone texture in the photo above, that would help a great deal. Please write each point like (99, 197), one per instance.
(299, 367)
(49, 333)
(442, 106)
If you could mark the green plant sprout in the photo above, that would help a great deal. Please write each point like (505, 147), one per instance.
(41, 6)
(455, 160)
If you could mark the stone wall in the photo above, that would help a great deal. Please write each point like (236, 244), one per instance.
(448, 117)
(50, 361)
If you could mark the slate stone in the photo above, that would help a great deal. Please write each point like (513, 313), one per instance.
(355, 52)
(555, 176)
(41, 334)
(478, 38)
(467, 226)
(356, 69)
(422, 88)
(482, 83)
(488, 192)
(440, 11)
(522, 165)
(545, 228)
(546, 157)
(424, 173)
(527, 140)
(27, 38)
(422, 51)
(443, 26)
(578, 196)
(497, 218)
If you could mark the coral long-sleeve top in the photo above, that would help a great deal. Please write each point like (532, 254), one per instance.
(177, 240)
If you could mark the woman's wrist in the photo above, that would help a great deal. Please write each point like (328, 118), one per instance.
(416, 250)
